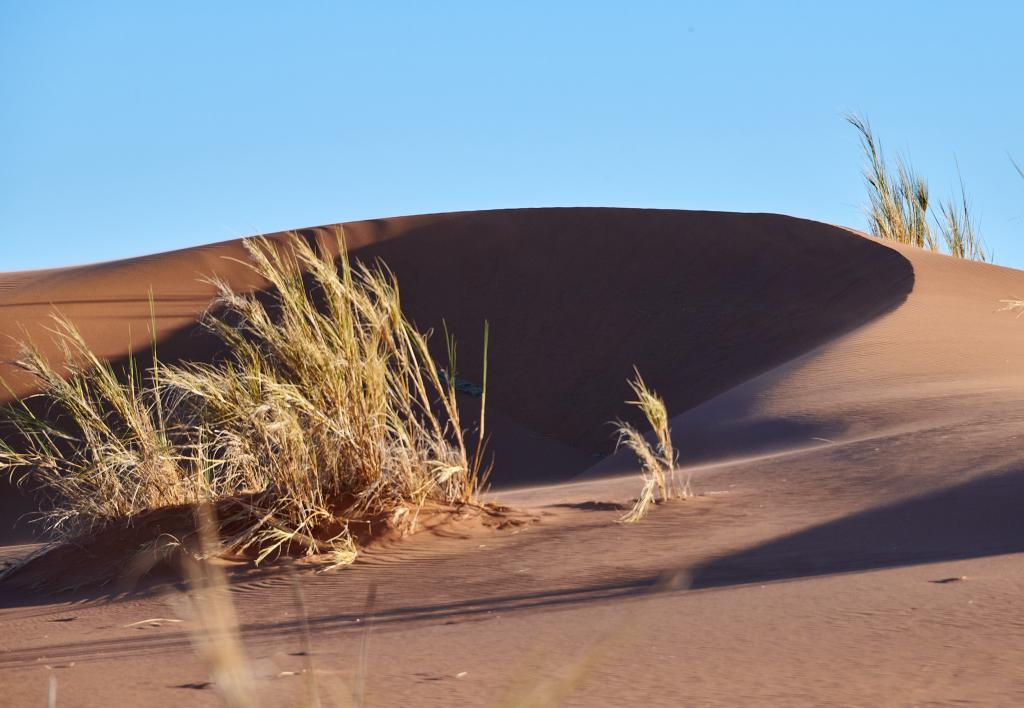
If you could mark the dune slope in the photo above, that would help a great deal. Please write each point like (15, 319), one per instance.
(852, 415)
(700, 301)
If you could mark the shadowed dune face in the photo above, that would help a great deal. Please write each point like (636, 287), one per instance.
(700, 301)
(974, 519)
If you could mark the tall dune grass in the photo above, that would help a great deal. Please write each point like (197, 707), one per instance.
(899, 204)
(101, 449)
(958, 229)
(658, 462)
(327, 413)
(898, 200)
(212, 620)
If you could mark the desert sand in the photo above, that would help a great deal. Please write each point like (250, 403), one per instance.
(851, 412)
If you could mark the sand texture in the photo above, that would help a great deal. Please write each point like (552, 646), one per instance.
(852, 414)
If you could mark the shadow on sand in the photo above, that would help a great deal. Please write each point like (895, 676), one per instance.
(971, 520)
(981, 517)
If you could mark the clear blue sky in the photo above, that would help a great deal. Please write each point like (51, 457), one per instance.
(128, 128)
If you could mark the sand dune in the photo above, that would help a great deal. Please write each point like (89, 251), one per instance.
(851, 412)
(700, 301)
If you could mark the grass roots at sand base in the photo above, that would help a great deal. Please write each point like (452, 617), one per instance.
(327, 409)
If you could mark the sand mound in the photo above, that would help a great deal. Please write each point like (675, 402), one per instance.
(700, 301)
(148, 551)
(852, 406)
(948, 355)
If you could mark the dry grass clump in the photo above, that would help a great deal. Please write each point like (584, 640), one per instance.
(102, 450)
(958, 229)
(212, 620)
(899, 206)
(329, 398)
(658, 462)
(327, 413)
(1012, 305)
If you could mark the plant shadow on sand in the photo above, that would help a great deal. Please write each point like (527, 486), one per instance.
(975, 519)
(123, 561)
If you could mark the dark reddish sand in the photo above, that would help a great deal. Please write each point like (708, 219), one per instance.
(851, 412)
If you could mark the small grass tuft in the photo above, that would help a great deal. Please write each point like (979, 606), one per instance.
(899, 204)
(102, 449)
(211, 618)
(958, 228)
(1012, 305)
(658, 462)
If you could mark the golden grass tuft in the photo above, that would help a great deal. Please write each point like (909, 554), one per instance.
(1012, 305)
(326, 415)
(658, 462)
(103, 449)
(899, 204)
(211, 618)
(958, 228)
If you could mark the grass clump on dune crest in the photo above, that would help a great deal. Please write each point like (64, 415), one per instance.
(899, 205)
(958, 229)
(326, 413)
(658, 462)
